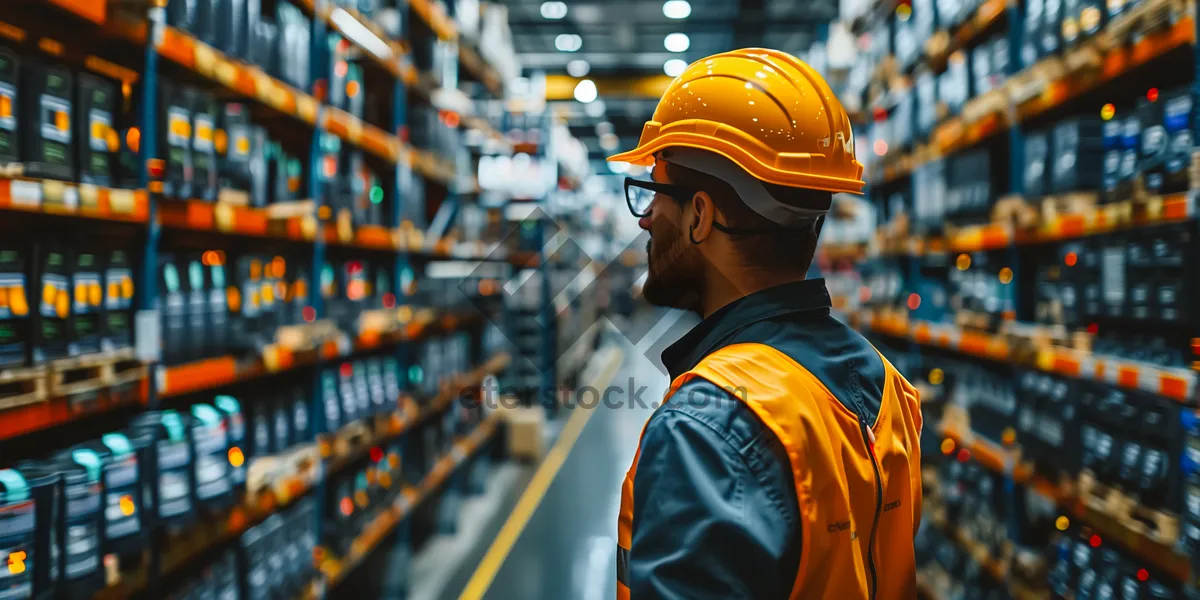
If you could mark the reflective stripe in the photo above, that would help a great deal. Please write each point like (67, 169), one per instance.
(622, 566)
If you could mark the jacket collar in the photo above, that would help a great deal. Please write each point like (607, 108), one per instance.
(807, 296)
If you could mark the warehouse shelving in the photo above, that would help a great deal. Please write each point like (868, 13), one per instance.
(942, 44)
(305, 227)
(59, 198)
(964, 446)
(277, 495)
(1176, 384)
(969, 287)
(335, 570)
(1036, 90)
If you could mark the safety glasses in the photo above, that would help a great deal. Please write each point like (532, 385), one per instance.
(640, 194)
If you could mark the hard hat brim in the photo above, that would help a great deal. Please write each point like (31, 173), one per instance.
(643, 155)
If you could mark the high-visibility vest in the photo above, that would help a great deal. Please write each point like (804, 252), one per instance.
(858, 484)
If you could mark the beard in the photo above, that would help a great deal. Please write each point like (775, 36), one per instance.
(675, 276)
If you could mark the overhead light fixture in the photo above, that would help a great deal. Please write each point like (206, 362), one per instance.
(585, 91)
(618, 167)
(554, 10)
(677, 42)
(578, 68)
(675, 67)
(604, 128)
(595, 109)
(568, 42)
(609, 142)
(677, 9)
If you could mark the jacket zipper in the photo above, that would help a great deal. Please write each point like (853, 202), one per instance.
(868, 439)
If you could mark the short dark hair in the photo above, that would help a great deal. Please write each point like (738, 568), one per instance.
(787, 250)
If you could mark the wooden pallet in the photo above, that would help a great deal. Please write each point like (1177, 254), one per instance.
(351, 438)
(1157, 525)
(22, 386)
(1074, 203)
(1013, 211)
(1101, 498)
(90, 372)
(1145, 18)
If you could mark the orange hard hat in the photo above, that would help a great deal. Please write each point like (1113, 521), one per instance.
(765, 110)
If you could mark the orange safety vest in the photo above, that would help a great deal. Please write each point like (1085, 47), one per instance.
(859, 506)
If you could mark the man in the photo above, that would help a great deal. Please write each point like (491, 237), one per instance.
(784, 462)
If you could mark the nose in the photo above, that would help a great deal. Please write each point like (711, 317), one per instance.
(644, 222)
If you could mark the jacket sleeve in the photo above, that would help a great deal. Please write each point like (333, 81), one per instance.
(702, 525)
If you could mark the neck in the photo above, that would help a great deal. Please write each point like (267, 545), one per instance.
(720, 291)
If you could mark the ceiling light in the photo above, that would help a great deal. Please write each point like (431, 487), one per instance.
(618, 167)
(675, 67)
(578, 68)
(604, 127)
(595, 109)
(568, 42)
(585, 91)
(554, 10)
(609, 142)
(677, 9)
(677, 42)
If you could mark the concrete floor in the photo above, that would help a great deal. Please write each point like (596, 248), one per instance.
(566, 550)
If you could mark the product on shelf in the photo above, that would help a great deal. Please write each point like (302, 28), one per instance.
(212, 481)
(176, 140)
(27, 500)
(1179, 121)
(246, 322)
(172, 305)
(352, 407)
(302, 432)
(15, 334)
(10, 81)
(1051, 29)
(51, 325)
(280, 407)
(87, 311)
(47, 139)
(926, 102)
(1037, 158)
(1153, 153)
(203, 145)
(81, 518)
(1087, 565)
(116, 459)
(235, 427)
(1077, 148)
(97, 102)
(331, 401)
(173, 470)
(118, 300)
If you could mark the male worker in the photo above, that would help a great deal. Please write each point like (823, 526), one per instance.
(784, 462)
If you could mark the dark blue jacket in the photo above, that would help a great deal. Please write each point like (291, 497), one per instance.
(715, 509)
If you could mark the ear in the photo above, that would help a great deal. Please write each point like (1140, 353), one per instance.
(704, 212)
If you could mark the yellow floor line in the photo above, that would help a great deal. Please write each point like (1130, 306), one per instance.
(532, 497)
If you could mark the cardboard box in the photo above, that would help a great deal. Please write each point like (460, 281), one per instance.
(525, 432)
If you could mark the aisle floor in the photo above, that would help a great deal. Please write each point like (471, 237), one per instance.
(568, 548)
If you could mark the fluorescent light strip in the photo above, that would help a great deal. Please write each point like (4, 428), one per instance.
(359, 34)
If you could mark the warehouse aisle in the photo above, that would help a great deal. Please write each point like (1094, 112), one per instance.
(567, 549)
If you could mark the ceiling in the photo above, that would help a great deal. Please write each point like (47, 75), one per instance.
(625, 38)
